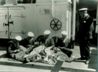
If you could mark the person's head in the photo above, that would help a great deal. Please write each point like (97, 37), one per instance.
(30, 35)
(47, 32)
(64, 34)
(18, 39)
(83, 12)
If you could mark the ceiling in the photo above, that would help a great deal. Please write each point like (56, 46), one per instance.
(91, 4)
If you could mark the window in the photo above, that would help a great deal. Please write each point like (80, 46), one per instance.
(26, 1)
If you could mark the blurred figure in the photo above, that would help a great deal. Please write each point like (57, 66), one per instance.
(42, 39)
(58, 49)
(15, 50)
(64, 40)
(85, 22)
(62, 43)
(39, 46)
(28, 41)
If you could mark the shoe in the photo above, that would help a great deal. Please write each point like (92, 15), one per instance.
(25, 61)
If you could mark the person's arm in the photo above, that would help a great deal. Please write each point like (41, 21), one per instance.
(30, 49)
(66, 41)
(12, 51)
(49, 42)
(9, 50)
(91, 29)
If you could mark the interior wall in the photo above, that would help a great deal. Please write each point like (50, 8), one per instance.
(37, 17)
(97, 19)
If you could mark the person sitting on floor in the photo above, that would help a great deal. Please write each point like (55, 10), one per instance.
(28, 42)
(15, 50)
(39, 44)
(62, 43)
(40, 40)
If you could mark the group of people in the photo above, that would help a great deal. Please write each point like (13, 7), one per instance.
(43, 48)
(49, 49)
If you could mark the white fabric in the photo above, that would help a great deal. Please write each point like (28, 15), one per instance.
(37, 50)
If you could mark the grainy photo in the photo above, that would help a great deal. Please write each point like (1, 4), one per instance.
(48, 35)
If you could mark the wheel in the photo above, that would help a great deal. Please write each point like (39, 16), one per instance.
(55, 24)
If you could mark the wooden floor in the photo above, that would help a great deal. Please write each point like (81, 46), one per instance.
(10, 65)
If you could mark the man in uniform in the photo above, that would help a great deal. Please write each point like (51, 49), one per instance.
(85, 22)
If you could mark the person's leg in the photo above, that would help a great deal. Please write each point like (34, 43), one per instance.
(87, 50)
(82, 49)
(66, 51)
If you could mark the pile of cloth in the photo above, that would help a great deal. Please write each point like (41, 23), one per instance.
(48, 55)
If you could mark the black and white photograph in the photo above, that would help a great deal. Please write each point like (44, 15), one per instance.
(48, 35)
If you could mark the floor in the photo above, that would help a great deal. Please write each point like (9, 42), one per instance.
(9, 65)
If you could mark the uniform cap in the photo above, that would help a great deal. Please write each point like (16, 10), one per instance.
(83, 9)
(47, 32)
(64, 33)
(31, 34)
(18, 38)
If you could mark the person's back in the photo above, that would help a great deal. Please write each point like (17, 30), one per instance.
(59, 43)
(40, 39)
(28, 41)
